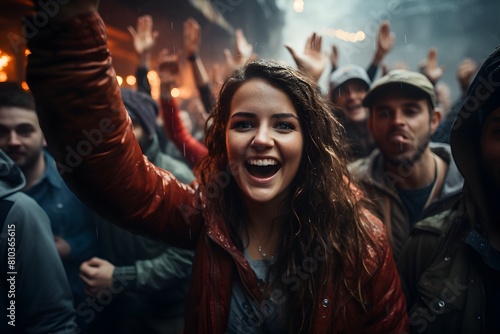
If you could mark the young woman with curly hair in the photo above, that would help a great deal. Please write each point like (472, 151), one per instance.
(283, 239)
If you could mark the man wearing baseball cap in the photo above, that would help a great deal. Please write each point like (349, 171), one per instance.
(408, 177)
(348, 87)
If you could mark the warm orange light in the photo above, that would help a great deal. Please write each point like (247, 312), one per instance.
(4, 60)
(27, 52)
(24, 85)
(130, 79)
(352, 37)
(3, 76)
(119, 79)
(175, 92)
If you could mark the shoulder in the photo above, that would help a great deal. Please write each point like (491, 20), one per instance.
(436, 225)
(363, 169)
(25, 214)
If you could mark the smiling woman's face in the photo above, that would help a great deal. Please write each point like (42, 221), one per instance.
(264, 141)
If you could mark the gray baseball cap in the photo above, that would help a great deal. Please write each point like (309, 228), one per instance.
(397, 79)
(348, 72)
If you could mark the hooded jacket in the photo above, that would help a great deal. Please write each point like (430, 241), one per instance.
(152, 202)
(450, 272)
(40, 300)
(380, 185)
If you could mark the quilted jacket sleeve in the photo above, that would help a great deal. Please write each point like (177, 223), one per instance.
(89, 133)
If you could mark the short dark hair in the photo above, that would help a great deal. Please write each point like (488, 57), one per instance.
(12, 95)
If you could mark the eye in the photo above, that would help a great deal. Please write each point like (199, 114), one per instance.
(284, 126)
(383, 113)
(242, 125)
(411, 112)
(25, 131)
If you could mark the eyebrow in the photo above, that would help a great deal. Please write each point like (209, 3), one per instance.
(252, 115)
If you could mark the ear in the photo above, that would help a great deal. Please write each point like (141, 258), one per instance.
(435, 119)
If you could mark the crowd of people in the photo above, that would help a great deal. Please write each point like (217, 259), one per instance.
(263, 205)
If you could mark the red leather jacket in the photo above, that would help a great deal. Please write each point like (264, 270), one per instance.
(90, 135)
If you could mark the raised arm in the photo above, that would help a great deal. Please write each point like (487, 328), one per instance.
(385, 42)
(144, 40)
(312, 61)
(430, 68)
(90, 134)
(192, 40)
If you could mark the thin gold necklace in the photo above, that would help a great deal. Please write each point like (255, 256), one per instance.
(259, 247)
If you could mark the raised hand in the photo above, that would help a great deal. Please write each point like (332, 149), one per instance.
(430, 68)
(168, 70)
(334, 57)
(385, 42)
(312, 61)
(465, 73)
(144, 37)
(192, 37)
(243, 50)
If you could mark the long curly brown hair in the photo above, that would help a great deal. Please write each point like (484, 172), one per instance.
(322, 211)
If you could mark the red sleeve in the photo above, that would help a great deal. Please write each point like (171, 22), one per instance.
(89, 133)
(192, 150)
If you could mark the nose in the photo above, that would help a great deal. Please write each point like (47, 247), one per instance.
(14, 139)
(398, 118)
(262, 139)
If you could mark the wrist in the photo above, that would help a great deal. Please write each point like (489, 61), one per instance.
(192, 57)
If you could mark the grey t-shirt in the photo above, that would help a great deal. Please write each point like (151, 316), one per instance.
(248, 316)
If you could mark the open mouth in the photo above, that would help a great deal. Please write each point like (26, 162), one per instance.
(262, 168)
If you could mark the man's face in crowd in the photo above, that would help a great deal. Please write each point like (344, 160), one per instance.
(349, 97)
(490, 147)
(402, 126)
(21, 136)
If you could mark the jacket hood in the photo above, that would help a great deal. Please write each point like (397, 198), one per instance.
(482, 97)
(11, 178)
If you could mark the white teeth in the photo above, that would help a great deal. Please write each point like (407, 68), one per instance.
(262, 162)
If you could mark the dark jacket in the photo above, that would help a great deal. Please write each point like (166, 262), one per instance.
(380, 186)
(40, 300)
(448, 267)
(145, 199)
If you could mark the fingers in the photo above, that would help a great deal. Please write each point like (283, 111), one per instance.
(384, 28)
(432, 57)
(132, 31)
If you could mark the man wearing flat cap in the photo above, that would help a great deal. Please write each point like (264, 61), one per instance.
(407, 177)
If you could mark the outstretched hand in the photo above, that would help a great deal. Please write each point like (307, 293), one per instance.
(465, 73)
(143, 35)
(192, 37)
(168, 70)
(334, 57)
(243, 48)
(312, 61)
(430, 68)
(385, 41)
